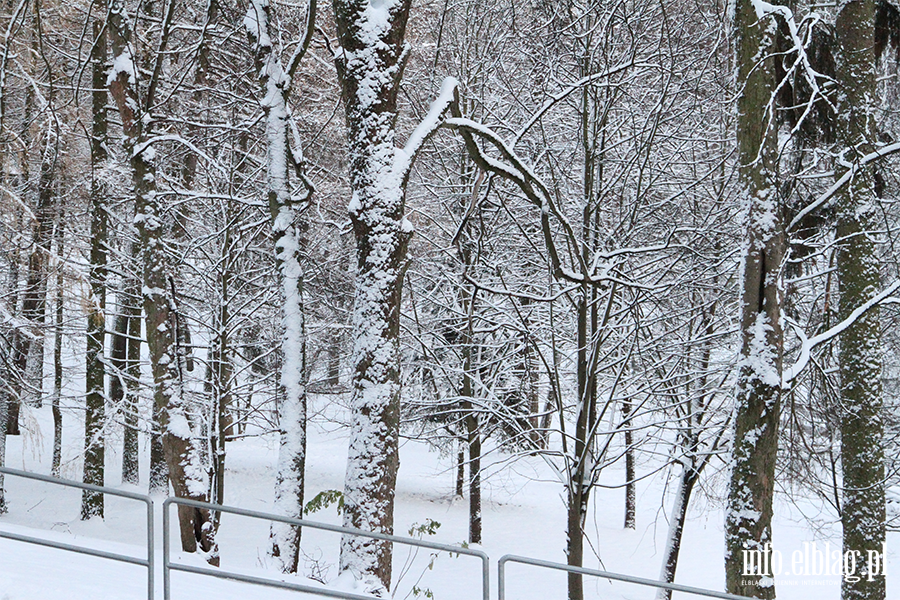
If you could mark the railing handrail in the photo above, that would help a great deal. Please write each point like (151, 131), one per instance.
(148, 562)
(321, 591)
(76, 484)
(167, 564)
(675, 587)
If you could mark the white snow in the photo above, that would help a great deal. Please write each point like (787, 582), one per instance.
(523, 514)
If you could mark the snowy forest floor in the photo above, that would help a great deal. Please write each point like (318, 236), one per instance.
(524, 514)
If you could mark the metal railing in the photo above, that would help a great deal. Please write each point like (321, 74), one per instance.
(143, 562)
(545, 564)
(169, 566)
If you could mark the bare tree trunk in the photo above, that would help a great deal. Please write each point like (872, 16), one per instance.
(686, 481)
(118, 384)
(748, 520)
(95, 370)
(183, 455)
(29, 353)
(57, 353)
(580, 476)
(472, 423)
(285, 212)
(370, 68)
(460, 468)
(858, 268)
(630, 474)
(159, 471)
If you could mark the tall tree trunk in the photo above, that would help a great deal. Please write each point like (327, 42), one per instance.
(472, 422)
(95, 373)
(579, 487)
(57, 352)
(748, 521)
(158, 479)
(862, 425)
(461, 467)
(125, 350)
(29, 346)
(370, 67)
(183, 454)
(285, 212)
(220, 375)
(118, 384)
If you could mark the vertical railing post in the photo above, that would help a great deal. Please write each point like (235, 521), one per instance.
(151, 551)
(501, 581)
(165, 532)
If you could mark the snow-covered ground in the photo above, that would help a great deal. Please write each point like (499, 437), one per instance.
(523, 514)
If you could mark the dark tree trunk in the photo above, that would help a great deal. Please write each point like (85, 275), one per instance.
(120, 387)
(370, 70)
(183, 456)
(686, 484)
(862, 419)
(57, 354)
(630, 474)
(95, 370)
(748, 520)
(461, 468)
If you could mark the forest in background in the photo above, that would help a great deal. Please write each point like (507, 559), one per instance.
(642, 232)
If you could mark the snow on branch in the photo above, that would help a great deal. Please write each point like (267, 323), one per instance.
(143, 146)
(843, 180)
(807, 344)
(256, 22)
(404, 158)
(303, 44)
(763, 10)
(558, 97)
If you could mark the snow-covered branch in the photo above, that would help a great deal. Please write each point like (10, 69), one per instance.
(807, 344)
(404, 158)
(843, 180)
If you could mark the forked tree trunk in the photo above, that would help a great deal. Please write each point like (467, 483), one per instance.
(370, 67)
(862, 420)
(748, 519)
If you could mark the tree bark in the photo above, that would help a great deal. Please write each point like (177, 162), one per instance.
(57, 354)
(285, 212)
(748, 521)
(689, 477)
(95, 370)
(630, 474)
(472, 422)
(179, 444)
(370, 67)
(862, 424)
(118, 384)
